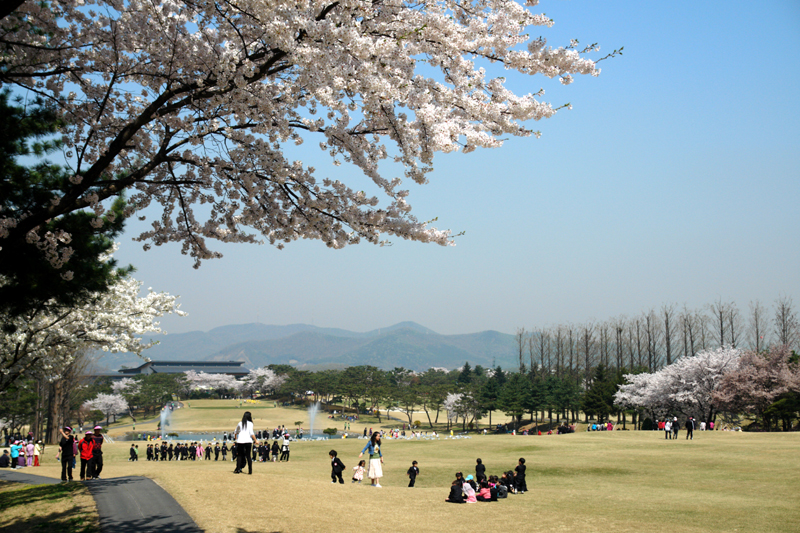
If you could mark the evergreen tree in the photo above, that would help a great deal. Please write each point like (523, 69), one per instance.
(465, 377)
(65, 265)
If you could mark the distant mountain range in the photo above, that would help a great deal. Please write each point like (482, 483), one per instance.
(406, 344)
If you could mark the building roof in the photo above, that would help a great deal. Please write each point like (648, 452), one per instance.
(176, 367)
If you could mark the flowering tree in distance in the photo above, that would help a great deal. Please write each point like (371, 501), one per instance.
(108, 404)
(685, 387)
(264, 380)
(757, 381)
(202, 380)
(192, 105)
(41, 344)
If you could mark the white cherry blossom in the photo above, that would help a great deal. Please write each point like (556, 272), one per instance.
(191, 105)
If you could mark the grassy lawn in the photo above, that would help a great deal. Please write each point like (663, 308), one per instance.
(602, 481)
(47, 508)
(222, 415)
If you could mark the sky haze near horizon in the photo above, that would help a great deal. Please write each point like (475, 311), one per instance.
(674, 179)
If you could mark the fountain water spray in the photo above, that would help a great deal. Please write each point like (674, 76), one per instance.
(312, 414)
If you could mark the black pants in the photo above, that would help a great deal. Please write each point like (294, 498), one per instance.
(335, 474)
(66, 467)
(95, 465)
(243, 453)
(412, 480)
(85, 467)
(689, 434)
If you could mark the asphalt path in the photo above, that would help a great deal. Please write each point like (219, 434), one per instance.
(20, 476)
(132, 504)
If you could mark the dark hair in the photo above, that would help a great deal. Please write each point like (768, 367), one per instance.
(522, 460)
(484, 484)
(374, 437)
(413, 462)
(332, 453)
(479, 461)
(246, 417)
(459, 475)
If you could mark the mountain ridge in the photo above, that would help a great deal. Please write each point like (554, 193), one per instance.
(405, 344)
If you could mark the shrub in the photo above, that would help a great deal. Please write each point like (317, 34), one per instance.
(417, 423)
(647, 424)
(330, 431)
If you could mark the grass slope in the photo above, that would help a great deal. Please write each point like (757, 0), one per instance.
(603, 481)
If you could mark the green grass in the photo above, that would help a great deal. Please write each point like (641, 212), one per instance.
(603, 481)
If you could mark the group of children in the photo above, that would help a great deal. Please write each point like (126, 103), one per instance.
(482, 489)
(193, 451)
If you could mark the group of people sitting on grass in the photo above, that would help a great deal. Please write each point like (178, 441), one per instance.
(487, 489)
(182, 451)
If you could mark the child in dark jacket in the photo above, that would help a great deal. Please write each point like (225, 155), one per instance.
(337, 467)
(456, 492)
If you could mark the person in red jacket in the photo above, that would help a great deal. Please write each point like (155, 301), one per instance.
(85, 447)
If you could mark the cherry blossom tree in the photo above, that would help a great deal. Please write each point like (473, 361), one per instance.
(126, 386)
(194, 106)
(686, 386)
(262, 379)
(44, 342)
(108, 404)
(452, 404)
(757, 381)
(202, 380)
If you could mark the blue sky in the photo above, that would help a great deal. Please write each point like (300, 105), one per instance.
(675, 178)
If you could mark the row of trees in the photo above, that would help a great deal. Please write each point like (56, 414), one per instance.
(657, 338)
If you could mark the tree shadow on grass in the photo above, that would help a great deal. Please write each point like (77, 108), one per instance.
(32, 494)
(153, 523)
(73, 520)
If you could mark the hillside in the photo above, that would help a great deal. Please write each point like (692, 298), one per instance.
(406, 344)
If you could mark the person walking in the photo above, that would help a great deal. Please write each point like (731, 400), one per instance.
(375, 471)
(96, 464)
(245, 436)
(85, 447)
(690, 428)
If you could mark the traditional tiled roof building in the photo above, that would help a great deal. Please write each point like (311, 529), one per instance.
(233, 368)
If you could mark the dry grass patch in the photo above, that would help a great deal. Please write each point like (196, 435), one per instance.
(626, 482)
(621, 481)
(47, 508)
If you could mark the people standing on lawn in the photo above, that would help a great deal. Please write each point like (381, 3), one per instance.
(85, 448)
(37, 451)
(66, 452)
(375, 471)
(275, 450)
(245, 437)
(29, 453)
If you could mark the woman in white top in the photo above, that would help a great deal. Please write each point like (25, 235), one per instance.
(245, 437)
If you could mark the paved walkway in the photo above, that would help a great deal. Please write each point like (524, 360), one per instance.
(132, 504)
